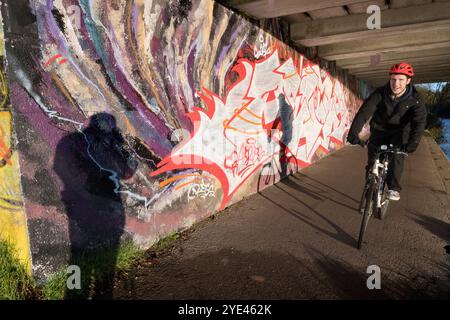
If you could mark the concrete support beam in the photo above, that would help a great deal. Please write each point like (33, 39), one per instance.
(414, 63)
(417, 68)
(391, 57)
(271, 8)
(433, 16)
(379, 83)
(422, 75)
(419, 75)
(436, 78)
(382, 82)
(443, 65)
(406, 3)
(362, 7)
(412, 57)
(409, 41)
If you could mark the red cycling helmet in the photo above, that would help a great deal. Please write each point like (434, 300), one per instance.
(402, 68)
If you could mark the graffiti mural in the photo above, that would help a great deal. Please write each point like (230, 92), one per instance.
(13, 224)
(204, 108)
(242, 118)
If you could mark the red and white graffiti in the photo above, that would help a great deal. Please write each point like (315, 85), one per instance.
(230, 136)
(245, 157)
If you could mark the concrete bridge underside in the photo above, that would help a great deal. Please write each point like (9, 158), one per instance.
(416, 31)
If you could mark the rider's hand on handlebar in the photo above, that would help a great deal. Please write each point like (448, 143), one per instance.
(363, 143)
(353, 139)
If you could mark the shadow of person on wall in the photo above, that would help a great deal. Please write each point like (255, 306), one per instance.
(285, 115)
(283, 122)
(90, 164)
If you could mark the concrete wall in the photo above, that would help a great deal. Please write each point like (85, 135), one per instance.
(137, 118)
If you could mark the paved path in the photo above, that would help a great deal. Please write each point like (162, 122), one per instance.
(297, 240)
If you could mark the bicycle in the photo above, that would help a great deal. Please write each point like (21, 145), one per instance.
(268, 174)
(374, 197)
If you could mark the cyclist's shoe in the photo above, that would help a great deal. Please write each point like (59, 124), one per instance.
(393, 195)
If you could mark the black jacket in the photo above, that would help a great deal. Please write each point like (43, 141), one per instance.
(406, 117)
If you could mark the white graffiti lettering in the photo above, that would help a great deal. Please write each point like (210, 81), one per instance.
(201, 190)
(263, 49)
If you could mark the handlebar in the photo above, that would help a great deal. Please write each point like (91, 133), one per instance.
(390, 149)
(384, 148)
(398, 152)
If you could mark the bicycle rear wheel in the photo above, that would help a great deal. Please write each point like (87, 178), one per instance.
(369, 204)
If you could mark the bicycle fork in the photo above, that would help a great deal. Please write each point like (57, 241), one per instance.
(375, 173)
(383, 166)
(376, 169)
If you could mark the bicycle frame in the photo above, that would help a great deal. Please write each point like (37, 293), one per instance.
(381, 166)
(379, 171)
(374, 197)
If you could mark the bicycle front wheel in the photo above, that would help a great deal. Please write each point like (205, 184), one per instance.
(362, 203)
(384, 203)
(369, 205)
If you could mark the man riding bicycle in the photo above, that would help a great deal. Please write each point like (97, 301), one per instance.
(398, 118)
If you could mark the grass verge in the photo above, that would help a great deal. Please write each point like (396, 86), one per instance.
(435, 128)
(97, 271)
(15, 282)
(165, 242)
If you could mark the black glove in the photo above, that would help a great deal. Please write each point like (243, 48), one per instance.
(353, 139)
(409, 147)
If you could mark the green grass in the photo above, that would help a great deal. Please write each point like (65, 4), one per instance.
(55, 287)
(437, 134)
(15, 282)
(435, 128)
(97, 269)
(128, 253)
(165, 242)
(97, 272)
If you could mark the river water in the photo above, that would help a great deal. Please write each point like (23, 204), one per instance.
(446, 132)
